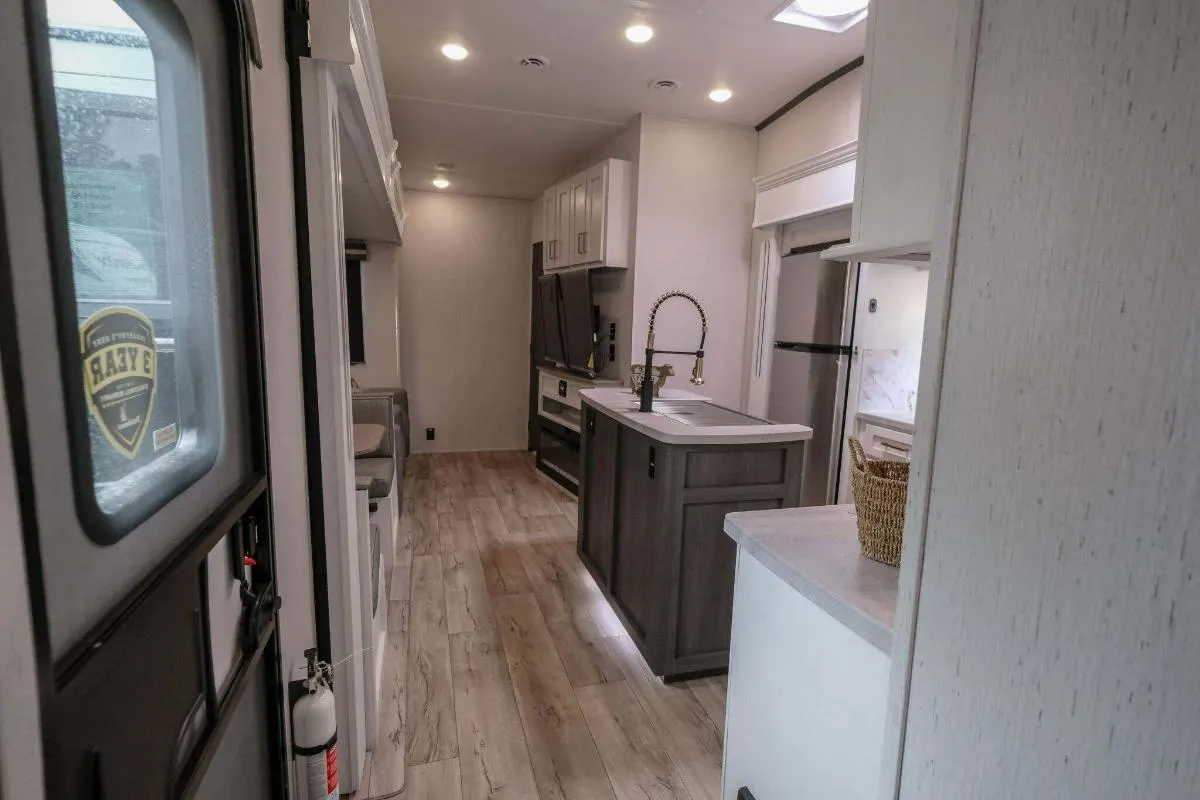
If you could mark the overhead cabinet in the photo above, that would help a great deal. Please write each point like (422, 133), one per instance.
(904, 131)
(587, 218)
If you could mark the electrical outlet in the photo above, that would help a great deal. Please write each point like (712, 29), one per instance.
(430, 434)
(873, 306)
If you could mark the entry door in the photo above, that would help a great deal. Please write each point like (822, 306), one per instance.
(131, 318)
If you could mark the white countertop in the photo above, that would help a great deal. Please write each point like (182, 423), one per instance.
(621, 404)
(896, 420)
(815, 550)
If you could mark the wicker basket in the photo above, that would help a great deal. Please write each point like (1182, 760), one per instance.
(880, 489)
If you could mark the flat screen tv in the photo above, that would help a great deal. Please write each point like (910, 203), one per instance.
(551, 317)
(578, 321)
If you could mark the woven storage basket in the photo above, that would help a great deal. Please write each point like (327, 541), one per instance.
(880, 489)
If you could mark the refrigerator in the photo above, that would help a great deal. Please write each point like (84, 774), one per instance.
(810, 365)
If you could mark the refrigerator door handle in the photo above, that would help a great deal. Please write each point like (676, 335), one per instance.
(815, 349)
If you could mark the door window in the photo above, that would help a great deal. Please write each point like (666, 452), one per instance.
(140, 284)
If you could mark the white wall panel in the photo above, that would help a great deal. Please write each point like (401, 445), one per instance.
(1057, 647)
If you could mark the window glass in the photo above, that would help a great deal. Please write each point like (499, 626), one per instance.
(130, 120)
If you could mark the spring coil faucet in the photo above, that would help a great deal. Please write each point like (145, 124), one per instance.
(647, 393)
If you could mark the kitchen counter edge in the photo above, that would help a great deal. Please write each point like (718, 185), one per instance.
(815, 551)
(669, 431)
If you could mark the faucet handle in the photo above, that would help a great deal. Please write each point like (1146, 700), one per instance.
(698, 372)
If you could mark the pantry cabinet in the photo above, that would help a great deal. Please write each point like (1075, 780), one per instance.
(588, 218)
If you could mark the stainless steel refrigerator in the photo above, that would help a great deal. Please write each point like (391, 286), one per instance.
(810, 366)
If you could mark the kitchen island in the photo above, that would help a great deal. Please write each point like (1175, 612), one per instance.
(654, 491)
(810, 656)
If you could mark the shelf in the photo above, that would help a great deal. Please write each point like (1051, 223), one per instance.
(561, 419)
(916, 254)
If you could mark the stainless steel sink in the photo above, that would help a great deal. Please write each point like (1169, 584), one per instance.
(700, 414)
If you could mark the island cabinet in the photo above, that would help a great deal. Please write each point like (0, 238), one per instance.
(651, 516)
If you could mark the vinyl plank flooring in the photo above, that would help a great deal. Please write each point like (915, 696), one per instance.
(468, 603)
(566, 763)
(564, 607)
(502, 566)
(638, 764)
(492, 753)
(432, 734)
(711, 694)
(386, 764)
(439, 780)
(679, 720)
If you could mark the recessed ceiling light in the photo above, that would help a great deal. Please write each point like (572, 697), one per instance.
(639, 34)
(454, 52)
(720, 95)
(441, 183)
(835, 16)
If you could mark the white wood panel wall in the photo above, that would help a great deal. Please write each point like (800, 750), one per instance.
(1057, 650)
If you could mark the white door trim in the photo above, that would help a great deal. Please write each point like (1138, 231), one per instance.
(937, 314)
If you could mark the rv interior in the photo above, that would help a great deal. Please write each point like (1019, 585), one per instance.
(599, 400)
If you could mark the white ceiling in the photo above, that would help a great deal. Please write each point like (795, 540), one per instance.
(511, 131)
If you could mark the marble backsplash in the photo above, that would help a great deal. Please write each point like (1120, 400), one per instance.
(889, 380)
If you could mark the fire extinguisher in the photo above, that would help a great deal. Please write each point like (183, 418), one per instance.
(314, 733)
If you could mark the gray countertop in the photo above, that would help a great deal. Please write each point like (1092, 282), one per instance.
(815, 551)
(896, 420)
(621, 405)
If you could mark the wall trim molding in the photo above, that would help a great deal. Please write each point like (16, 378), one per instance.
(818, 163)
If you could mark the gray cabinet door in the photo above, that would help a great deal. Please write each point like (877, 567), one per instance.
(635, 581)
(598, 498)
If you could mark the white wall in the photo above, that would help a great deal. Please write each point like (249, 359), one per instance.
(464, 320)
(281, 330)
(1057, 642)
(695, 208)
(822, 122)
(380, 277)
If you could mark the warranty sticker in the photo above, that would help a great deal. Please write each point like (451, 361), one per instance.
(119, 363)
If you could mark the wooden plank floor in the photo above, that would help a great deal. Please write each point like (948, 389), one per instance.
(508, 677)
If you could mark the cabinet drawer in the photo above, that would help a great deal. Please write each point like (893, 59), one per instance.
(562, 390)
(881, 442)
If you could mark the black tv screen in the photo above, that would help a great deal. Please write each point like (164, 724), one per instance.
(550, 306)
(578, 324)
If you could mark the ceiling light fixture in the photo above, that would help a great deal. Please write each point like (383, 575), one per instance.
(835, 16)
(441, 183)
(720, 95)
(454, 52)
(639, 34)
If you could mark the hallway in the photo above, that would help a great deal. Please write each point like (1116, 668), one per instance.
(508, 676)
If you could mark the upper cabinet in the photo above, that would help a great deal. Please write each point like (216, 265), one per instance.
(904, 131)
(587, 218)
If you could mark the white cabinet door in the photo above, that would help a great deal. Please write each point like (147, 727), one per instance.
(579, 217)
(594, 239)
(905, 122)
(550, 237)
(562, 212)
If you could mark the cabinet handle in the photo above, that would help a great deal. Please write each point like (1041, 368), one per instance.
(591, 422)
(584, 246)
(579, 244)
(652, 456)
